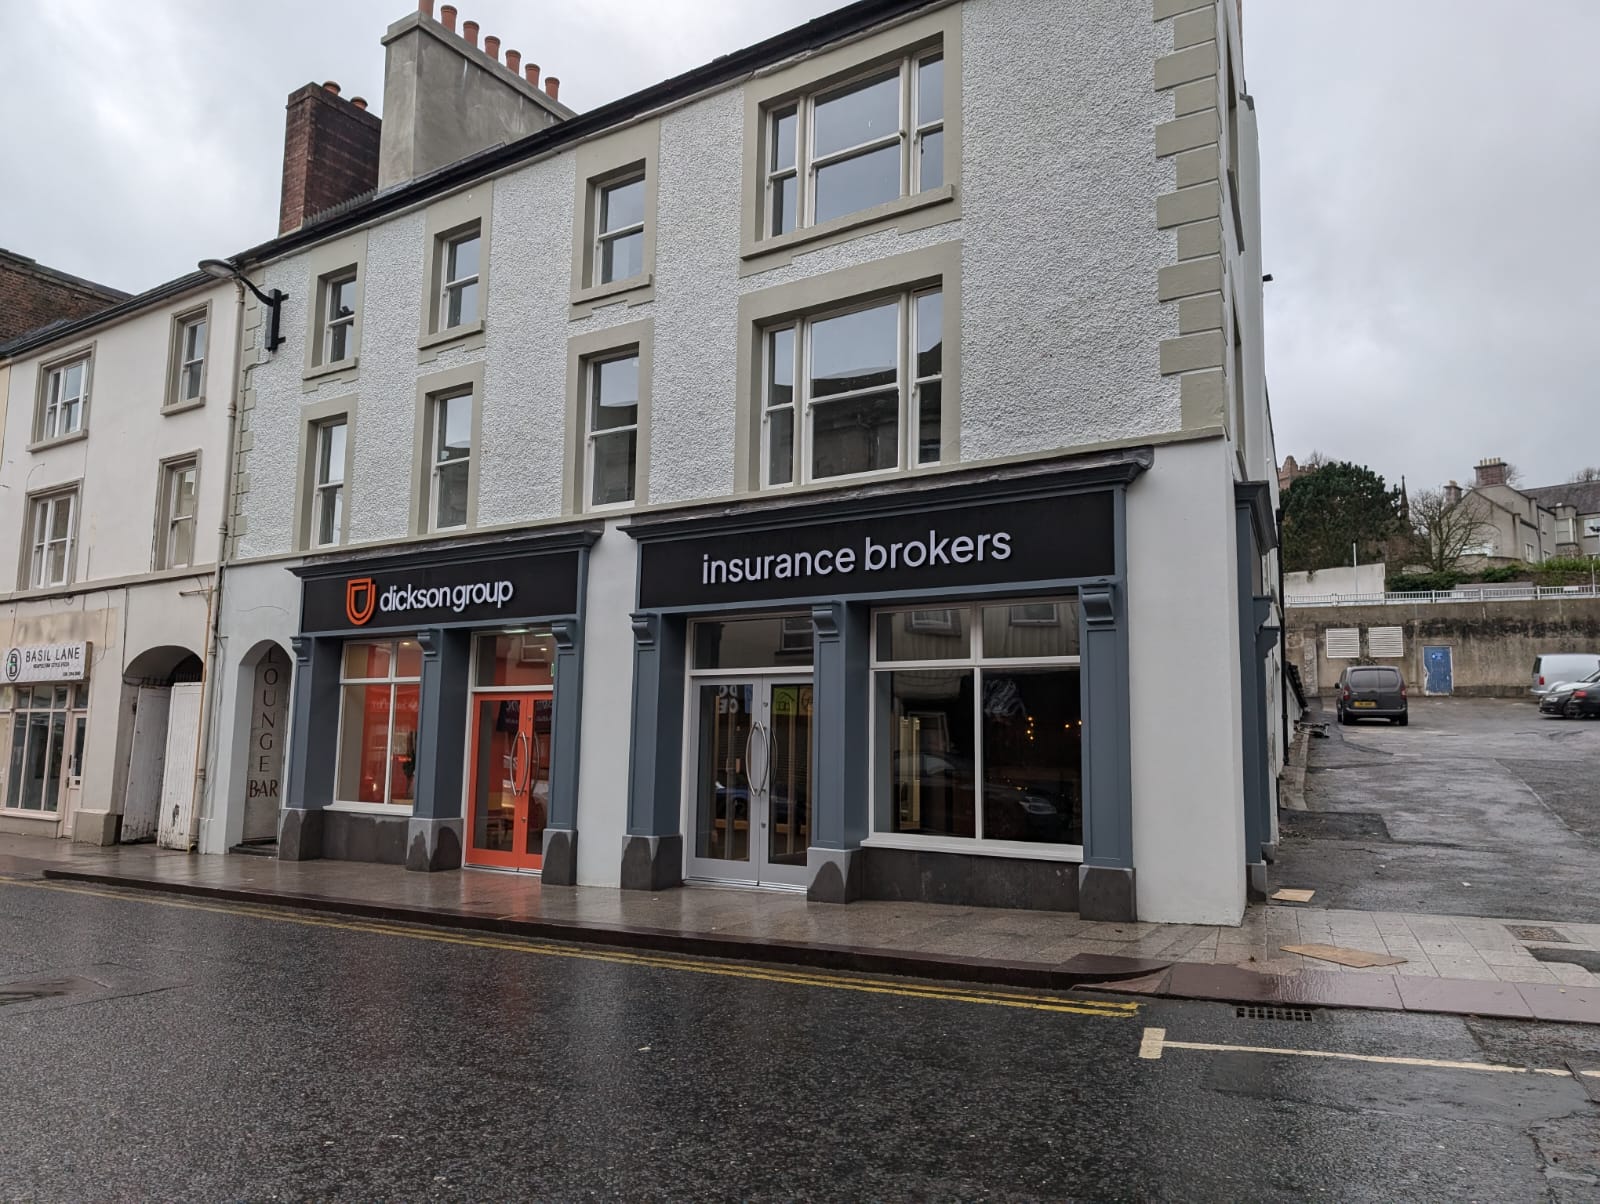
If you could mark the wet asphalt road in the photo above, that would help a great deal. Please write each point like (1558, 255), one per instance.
(221, 1053)
(1479, 807)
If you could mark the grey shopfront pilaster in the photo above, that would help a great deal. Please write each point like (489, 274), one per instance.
(840, 734)
(1255, 535)
(652, 850)
(314, 750)
(1106, 879)
(433, 837)
(561, 829)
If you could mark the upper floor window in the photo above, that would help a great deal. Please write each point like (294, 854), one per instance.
(853, 392)
(458, 301)
(327, 496)
(175, 540)
(64, 400)
(860, 144)
(339, 306)
(619, 230)
(450, 461)
(189, 359)
(52, 532)
(612, 423)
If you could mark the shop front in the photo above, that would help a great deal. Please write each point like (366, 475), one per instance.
(44, 693)
(909, 693)
(436, 708)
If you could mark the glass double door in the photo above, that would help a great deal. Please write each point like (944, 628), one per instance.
(751, 780)
(509, 787)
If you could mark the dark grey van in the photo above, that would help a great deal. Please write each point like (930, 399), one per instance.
(1372, 692)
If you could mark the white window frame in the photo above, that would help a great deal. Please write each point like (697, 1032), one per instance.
(333, 323)
(908, 135)
(978, 663)
(51, 405)
(41, 513)
(907, 384)
(436, 459)
(322, 486)
(392, 681)
(591, 402)
(169, 521)
(602, 235)
(186, 327)
(74, 732)
(449, 284)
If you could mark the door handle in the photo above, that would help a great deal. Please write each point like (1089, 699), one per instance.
(766, 757)
(749, 759)
(535, 755)
(522, 743)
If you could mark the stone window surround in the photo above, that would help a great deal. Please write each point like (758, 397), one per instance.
(84, 352)
(447, 219)
(937, 265)
(429, 388)
(601, 162)
(582, 350)
(330, 261)
(312, 417)
(938, 29)
(171, 403)
(158, 543)
(25, 583)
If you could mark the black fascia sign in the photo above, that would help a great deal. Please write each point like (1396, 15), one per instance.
(471, 591)
(948, 547)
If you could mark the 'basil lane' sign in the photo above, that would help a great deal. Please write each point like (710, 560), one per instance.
(946, 547)
(471, 591)
(46, 662)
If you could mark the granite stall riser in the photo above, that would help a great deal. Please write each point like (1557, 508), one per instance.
(910, 876)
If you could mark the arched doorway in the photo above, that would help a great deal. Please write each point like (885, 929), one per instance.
(263, 721)
(160, 731)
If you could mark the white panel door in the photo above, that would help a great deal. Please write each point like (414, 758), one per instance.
(177, 784)
(145, 759)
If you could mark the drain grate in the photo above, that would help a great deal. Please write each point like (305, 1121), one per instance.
(1532, 932)
(1254, 1011)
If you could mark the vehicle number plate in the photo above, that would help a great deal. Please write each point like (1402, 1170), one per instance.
(1365, 704)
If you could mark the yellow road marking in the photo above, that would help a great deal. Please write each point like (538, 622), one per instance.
(1155, 1042)
(1105, 1009)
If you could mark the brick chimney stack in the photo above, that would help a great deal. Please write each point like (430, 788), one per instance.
(1491, 472)
(330, 153)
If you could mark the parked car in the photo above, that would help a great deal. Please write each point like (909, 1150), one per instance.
(1573, 699)
(1372, 692)
(1559, 668)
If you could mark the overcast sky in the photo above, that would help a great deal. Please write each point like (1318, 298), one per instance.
(1430, 170)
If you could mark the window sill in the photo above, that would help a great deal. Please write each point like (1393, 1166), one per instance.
(394, 809)
(852, 225)
(634, 288)
(59, 441)
(454, 334)
(345, 365)
(53, 817)
(179, 407)
(976, 848)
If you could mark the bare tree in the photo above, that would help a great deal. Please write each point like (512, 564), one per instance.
(1585, 476)
(1513, 475)
(1447, 529)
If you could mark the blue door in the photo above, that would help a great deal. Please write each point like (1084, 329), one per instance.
(1438, 672)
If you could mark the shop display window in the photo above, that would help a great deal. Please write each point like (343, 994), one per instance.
(380, 689)
(979, 723)
(48, 724)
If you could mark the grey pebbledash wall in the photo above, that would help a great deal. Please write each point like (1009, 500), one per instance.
(1493, 644)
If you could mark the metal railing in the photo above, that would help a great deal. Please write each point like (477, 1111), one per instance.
(1465, 593)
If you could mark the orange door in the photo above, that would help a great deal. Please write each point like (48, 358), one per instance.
(508, 799)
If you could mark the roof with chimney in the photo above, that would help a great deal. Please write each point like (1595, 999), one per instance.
(1582, 496)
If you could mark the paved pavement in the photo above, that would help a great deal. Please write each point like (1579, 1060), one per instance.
(1481, 807)
(205, 1050)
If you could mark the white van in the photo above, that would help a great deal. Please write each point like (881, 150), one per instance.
(1554, 668)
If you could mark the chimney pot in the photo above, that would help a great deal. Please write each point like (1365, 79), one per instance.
(425, 7)
(447, 17)
(531, 72)
(514, 60)
(469, 30)
(491, 46)
(552, 87)
(360, 102)
(331, 86)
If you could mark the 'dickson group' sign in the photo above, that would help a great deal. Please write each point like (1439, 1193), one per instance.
(470, 591)
(942, 547)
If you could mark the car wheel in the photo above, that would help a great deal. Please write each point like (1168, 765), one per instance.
(1404, 720)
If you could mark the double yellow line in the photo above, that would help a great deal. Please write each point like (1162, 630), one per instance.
(908, 989)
